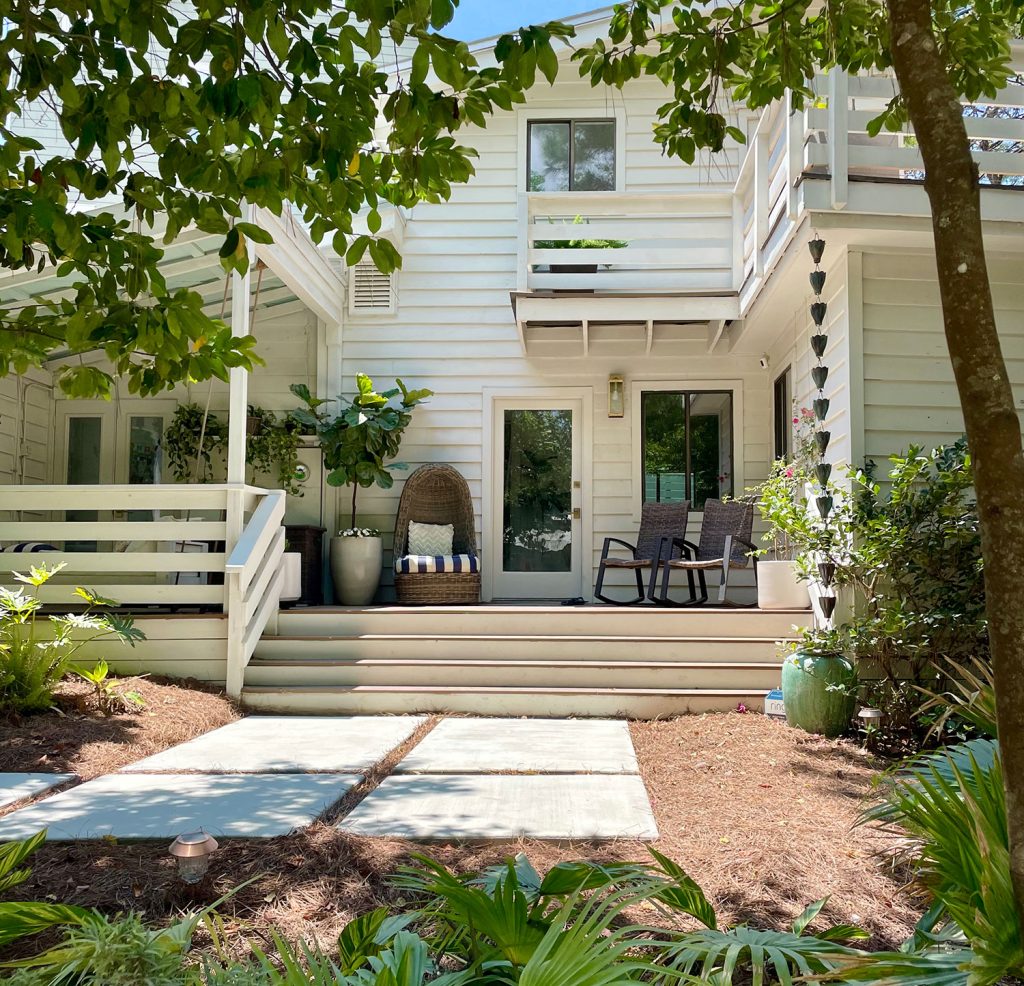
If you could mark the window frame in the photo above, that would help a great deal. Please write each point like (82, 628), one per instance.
(782, 428)
(525, 115)
(733, 387)
(571, 121)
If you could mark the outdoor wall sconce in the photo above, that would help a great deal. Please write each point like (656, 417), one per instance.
(192, 854)
(616, 397)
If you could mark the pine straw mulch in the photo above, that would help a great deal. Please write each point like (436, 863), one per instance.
(77, 738)
(759, 814)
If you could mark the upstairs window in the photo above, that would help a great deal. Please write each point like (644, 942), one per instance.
(571, 156)
(686, 445)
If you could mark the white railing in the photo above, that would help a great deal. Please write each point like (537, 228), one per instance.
(649, 242)
(253, 575)
(210, 546)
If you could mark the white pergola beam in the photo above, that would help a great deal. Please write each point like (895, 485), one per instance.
(294, 258)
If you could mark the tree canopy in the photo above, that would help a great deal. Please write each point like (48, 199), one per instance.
(268, 102)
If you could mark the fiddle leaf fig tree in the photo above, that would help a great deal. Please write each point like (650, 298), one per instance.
(181, 112)
(360, 441)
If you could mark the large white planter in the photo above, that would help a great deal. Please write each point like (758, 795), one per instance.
(779, 588)
(291, 583)
(356, 568)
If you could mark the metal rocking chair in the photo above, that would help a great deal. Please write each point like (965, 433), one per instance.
(724, 534)
(659, 523)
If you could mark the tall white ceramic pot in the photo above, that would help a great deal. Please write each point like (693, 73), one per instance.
(356, 569)
(778, 586)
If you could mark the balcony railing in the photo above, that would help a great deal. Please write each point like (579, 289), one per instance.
(631, 242)
(712, 241)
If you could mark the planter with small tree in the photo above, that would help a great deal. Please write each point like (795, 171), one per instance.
(578, 244)
(358, 445)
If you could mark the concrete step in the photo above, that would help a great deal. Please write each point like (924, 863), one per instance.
(759, 676)
(603, 621)
(636, 703)
(516, 647)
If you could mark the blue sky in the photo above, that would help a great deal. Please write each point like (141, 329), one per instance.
(483, 18)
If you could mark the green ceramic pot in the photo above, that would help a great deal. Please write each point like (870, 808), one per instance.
(811, 704)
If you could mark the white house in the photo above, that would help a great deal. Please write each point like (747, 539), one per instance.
(693, 308)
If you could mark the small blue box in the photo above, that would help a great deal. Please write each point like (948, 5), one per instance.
(774, 707)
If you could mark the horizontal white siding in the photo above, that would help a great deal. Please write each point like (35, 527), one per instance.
(25, 428)
(454, 330)
(909, 392)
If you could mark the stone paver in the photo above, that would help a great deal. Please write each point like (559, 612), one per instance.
(287, 745)
(506, 806)
(547, 746)
(17, 787)
(150, 806)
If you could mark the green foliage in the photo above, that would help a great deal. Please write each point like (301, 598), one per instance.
(19, 919)
(782, 497)
(909, 552)
(192, 440)
(953, 805)
(109, 696)
(366, 432)
(272, 447)
(196, 441)
(580, 244)
(33, 661)
(715, 57)
(274, 105)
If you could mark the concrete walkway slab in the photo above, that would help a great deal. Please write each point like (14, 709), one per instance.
(287, 745)
(506, 806)
(544, 746)
(152, 806)
(17, 787)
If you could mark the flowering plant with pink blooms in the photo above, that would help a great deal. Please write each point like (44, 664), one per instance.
(782, 498)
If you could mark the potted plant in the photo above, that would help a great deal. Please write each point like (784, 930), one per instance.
(272, 447)
(580, 244)
(784, 504)
(819, 683)
(192, 440)
(358, 445)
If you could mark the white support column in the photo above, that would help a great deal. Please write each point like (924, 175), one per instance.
(238, 381)
(795, 136)
(523, 243)
(839, 136)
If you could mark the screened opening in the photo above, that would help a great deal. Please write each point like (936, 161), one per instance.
(686, 446)
(571, 156)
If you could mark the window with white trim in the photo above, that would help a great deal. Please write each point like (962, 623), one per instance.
(570, 156)
(369, 291)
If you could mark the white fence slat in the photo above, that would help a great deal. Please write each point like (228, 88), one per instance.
(93, 530)
(136, 594)
(102, 562)
(268, 566)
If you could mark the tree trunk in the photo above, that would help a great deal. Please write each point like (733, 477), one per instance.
(993, 430)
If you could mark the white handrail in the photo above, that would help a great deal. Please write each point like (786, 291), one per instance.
(253, 577)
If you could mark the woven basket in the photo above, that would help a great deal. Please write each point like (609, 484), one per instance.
(437, 494)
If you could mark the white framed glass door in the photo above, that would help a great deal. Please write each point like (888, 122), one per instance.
(536, 549)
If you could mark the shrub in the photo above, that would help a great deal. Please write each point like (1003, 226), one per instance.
(910, 552)
(32, 661)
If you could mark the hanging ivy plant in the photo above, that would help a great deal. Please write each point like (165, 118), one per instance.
(190, 462)
(272, 447)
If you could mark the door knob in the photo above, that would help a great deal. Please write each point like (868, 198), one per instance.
(576, 513)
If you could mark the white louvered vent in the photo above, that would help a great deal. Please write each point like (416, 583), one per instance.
(370, 291)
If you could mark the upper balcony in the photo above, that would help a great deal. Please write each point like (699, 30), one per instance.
(629, 271)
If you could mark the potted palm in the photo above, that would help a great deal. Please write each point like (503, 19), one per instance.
(358, 446)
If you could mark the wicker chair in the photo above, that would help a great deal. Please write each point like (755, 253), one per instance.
(437, 494)
(724, 534)
(659, 522)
